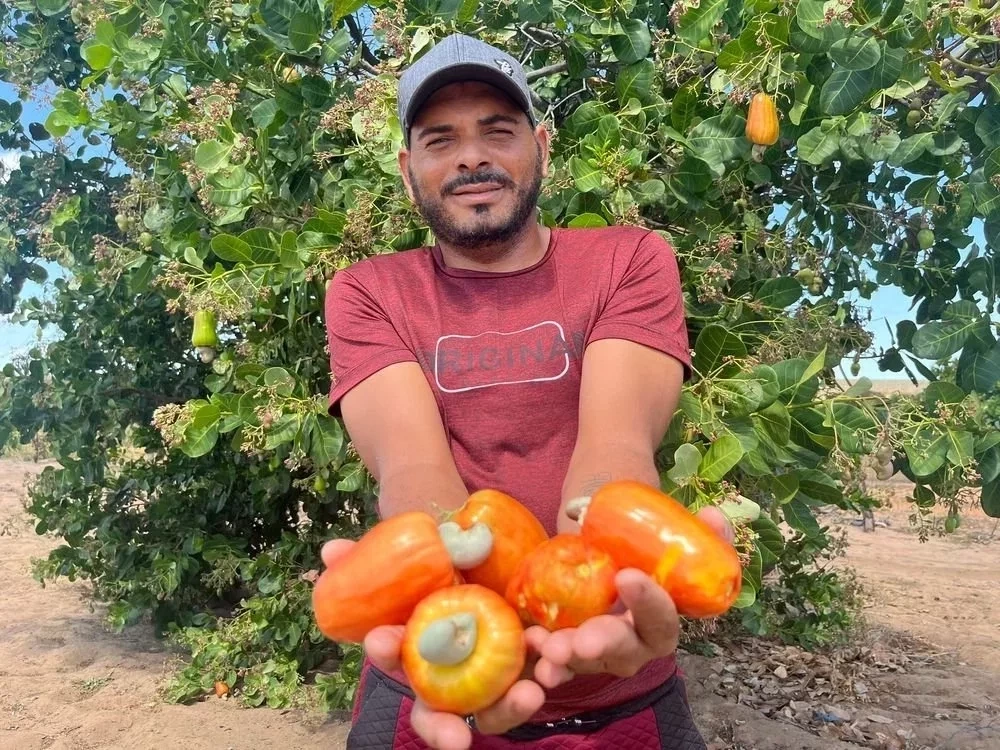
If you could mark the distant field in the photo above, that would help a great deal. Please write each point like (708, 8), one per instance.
(888, 386)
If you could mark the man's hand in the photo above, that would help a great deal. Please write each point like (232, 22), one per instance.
(619, 644)
(444, 731)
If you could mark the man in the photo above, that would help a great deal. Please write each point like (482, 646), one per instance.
(538, 361)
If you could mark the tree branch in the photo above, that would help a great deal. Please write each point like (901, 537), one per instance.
(359, 37)
(534, 75)
(971, 66)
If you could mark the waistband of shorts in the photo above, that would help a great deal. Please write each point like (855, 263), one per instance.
(583, 722)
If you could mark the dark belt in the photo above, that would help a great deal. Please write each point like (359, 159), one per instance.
(581, 723)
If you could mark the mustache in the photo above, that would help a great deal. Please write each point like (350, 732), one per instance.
(475, 178)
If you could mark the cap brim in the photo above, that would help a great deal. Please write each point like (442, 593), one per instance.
(464, 72)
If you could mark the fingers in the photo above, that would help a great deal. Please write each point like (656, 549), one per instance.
(605, 644)
(382, 646)
(718, 521)
(522, 701)
(654, 615)
(441, 731)
(334, 550)
(444, 731)
(550, 675)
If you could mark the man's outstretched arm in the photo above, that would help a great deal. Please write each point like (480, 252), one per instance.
(394, 423)
(628, 395)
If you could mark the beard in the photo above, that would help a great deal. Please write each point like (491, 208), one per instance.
(491, 228)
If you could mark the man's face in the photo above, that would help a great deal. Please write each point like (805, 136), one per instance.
(475, 165)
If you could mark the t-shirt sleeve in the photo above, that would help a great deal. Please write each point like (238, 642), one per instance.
(360, 335)
(647, 304)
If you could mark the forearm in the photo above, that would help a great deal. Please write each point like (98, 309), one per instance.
(430, 487)
(604, 461)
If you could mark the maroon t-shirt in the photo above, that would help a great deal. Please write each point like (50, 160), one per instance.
(502, 353)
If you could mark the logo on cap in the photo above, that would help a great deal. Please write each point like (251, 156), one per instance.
(505, 67)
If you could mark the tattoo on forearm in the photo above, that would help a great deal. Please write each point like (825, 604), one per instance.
(591, 485)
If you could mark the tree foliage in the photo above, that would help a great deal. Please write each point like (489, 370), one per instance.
(204, 155)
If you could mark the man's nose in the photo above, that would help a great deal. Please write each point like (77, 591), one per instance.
(472, 156)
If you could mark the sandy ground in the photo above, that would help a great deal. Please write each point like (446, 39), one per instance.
(66, 683)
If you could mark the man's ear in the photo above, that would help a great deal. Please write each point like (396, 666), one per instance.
(403, 160)
(542, 134)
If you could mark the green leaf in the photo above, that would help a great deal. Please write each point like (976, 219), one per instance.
(717, 140)
(776, 422)
(770, 540)
(819, 145)
(768, 379)
(697, 22)
(714, 343)
(97, 55)
(684, 105)
(303, 30)
(202, 433)
(990, 498)
(529, 11)
(943, 391)
(911, 148)
(978, 371)
(587, 220)
(856, 53)
(687, 458)
(635, 81)
(943, 338)
(634, 44)
(780, 292)
(285, 430)
(210, 156)
(862, 387)
(809, 14)
(586, 176)
(888, 69)
(814, 368)
(961, 446)
(352, 477)
(724, 453)
(228, 247)
(989, 464)
(798, 515)
(927, 450)
(817, 487)
(326, 440)
(987, 441)
(751, 584)
(52, 7)
(264, 113)
(280, 380)
(844, 90)
(891, 12)
(784, 487)
(808, 427)
(793, 388)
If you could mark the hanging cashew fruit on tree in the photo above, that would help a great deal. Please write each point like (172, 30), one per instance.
(762, 120)
(204, 338)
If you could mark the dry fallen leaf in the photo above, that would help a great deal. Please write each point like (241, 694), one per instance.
(221, 689)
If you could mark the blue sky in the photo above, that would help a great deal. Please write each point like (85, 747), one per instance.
(888, 304)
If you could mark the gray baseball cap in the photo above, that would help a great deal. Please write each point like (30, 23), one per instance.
(460, 58)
